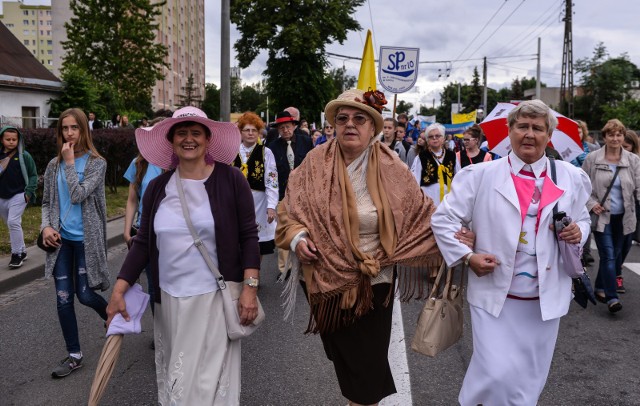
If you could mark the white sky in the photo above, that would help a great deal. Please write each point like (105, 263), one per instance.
(442, 30)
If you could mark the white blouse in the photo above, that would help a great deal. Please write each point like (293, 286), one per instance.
(182, 269)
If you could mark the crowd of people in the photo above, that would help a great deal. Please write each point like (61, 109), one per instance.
(354, 210)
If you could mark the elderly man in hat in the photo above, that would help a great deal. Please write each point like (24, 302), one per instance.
(289, 149)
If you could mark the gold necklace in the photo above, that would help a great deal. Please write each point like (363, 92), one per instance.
(438, 157)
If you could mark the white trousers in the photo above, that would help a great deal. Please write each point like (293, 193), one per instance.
(11, 212)
(511, 355)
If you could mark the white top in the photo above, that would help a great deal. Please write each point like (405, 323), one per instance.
(182, 269)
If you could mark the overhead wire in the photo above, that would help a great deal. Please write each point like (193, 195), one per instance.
(497, 28)
(552, 18)
(529, 28)
(482, 29)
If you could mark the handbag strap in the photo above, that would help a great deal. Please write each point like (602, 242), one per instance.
(447, 286)
(196, 238)
(606, 194)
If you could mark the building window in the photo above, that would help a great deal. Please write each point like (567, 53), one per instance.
(34, 51)
(49, 22)
(25, 32)
(25, 12)
(33, 12)
(49, 42)
(48, 12)
(33, 42)
(10, 25)
(48, 32)
(26, 42)
(50, 52)
(25, 22)
(41, 32)
(42, 61)
(33, 22)
(49, 62)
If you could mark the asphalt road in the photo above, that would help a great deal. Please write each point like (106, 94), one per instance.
(596, 360)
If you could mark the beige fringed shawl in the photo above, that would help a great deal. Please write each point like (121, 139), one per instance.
(320, 200)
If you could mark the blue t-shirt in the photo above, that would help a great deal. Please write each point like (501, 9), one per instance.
(130, 175)
(71, 214)
(617, 201)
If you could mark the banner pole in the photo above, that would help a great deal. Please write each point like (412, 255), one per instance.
(395, 99)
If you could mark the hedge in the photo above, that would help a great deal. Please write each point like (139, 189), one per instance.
(117, 146)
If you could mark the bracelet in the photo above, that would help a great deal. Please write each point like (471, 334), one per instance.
(303, 239)
(467, 258)
(252, 282)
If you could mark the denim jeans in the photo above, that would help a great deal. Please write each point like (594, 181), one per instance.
(613, 247)
(70, 277)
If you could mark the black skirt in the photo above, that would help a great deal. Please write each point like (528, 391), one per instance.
(359, 352)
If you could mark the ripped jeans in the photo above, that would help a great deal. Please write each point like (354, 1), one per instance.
(70, 277)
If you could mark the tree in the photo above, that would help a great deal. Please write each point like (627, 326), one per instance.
(294, 34)
(235, 87)
(517, 92)
(79, 91)
(605, 84)
(250, 99)
(473, 93)
(211, 103)
(341, 81)
(627, 111)
(190, 97)
(403, 107)
(114, 42)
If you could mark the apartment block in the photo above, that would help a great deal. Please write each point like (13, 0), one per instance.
(180, 28)
(32, 26)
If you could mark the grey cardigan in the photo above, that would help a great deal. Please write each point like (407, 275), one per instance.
(600, 174)
(90, 193)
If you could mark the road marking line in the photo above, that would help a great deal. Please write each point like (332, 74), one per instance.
(633, 267)
(398, 361)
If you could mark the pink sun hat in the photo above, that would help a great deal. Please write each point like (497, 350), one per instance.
(156, 148)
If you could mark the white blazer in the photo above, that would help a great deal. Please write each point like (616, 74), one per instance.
(485, 198)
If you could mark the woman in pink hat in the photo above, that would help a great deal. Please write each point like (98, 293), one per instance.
(196, 363)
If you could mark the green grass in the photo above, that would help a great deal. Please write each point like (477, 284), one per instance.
(116, 203)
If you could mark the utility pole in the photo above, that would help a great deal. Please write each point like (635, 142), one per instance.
(484, 91)
(538, 70)
(225, 62)
(566, 90)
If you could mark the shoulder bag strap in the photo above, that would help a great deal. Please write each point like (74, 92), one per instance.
(196, 239)
(606, 194)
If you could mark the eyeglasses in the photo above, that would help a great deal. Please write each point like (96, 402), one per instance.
(328, 126)
(467, 139)
(358, 119)
(434, 137)
(249, 130)
(66, 129)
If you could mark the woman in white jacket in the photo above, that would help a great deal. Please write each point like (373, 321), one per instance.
(518, 290)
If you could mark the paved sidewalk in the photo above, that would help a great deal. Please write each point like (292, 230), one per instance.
(33, 267)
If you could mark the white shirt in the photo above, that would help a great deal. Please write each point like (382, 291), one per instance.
(183, 271)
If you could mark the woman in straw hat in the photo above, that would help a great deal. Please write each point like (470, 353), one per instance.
(196, 364)
(368, 221)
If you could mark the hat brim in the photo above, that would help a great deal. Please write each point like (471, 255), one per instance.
(275, 125)
(332, 107)
(156, 149)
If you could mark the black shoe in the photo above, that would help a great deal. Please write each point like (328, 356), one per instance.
(615, 306)
(16, 260)
(587, 258)
(600, 297)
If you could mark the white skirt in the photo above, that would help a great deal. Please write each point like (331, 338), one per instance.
(196, 364)
(511, 355)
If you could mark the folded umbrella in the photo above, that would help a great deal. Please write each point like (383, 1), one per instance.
(136, 301)
(570, 255)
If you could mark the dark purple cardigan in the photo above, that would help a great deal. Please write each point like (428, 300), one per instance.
(235, 226)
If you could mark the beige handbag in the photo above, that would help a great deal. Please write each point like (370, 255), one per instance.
(440, 322)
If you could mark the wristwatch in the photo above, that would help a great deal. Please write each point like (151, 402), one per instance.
(467, 258)
(252, 282)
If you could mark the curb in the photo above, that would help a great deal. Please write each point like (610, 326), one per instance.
(33, 267)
